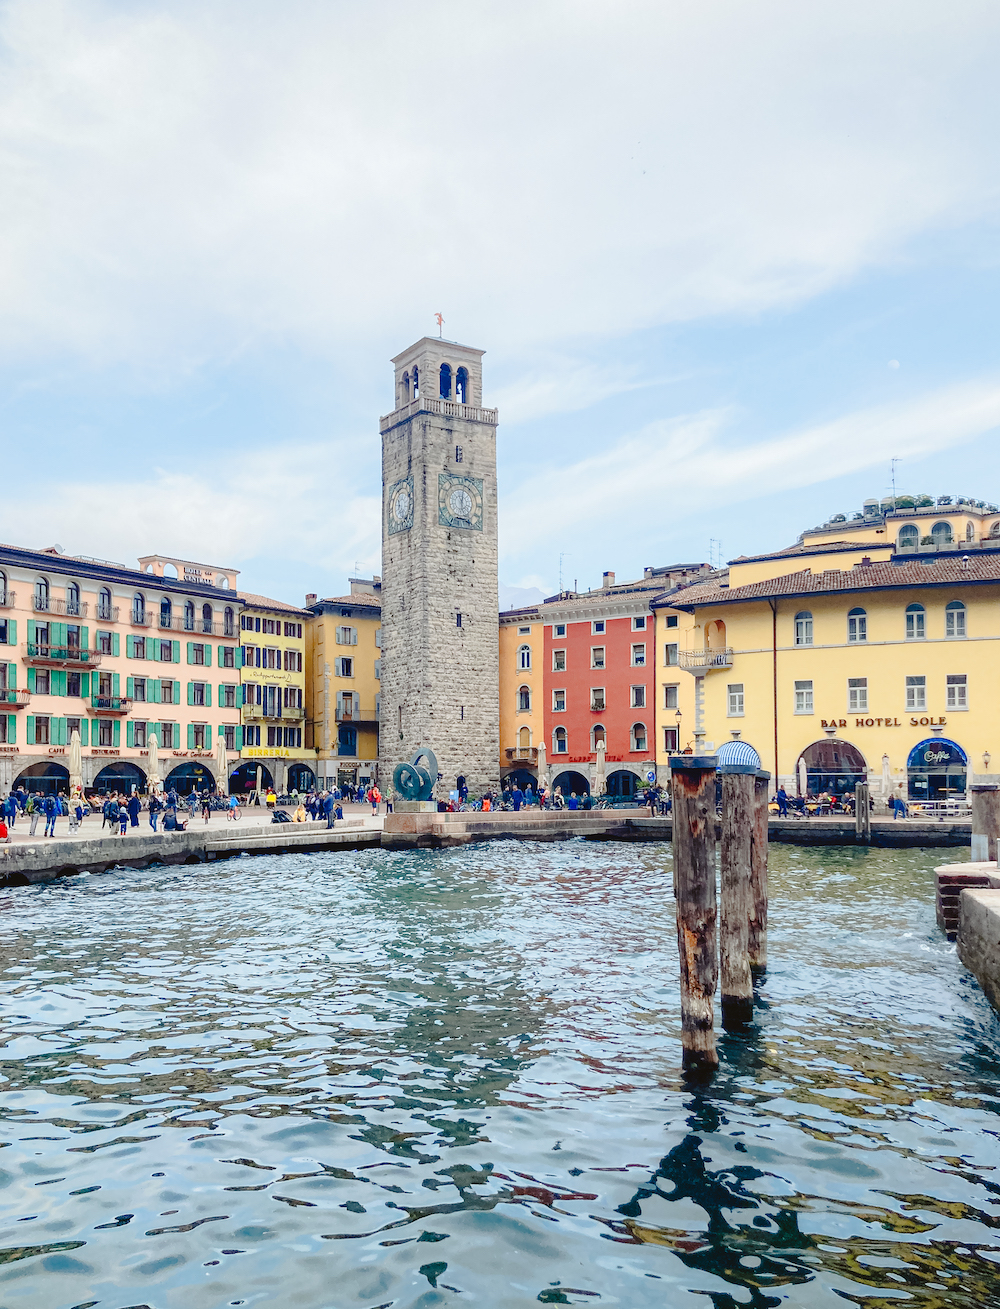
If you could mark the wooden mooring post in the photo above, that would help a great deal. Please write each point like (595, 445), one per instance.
(692, 781)
(757, 936)
(985, 821)
(862, 814)
(736, 988)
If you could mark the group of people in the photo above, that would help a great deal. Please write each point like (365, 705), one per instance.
(34, 807)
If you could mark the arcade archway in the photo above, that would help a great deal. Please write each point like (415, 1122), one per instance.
(936, 770)
(122, 777)
(186, 778)
(48, 777)
(522, 778)
(244, 778)
(569, 782)
(832, 766)
(301, 778)
(622, 784)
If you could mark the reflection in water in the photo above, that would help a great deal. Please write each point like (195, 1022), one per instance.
(396, 1079)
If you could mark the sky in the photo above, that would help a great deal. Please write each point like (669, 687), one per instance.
(727, 261)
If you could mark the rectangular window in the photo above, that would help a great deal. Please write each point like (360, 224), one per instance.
(597, 697)
(857, 695)
(72, 725)
(343, 667)
(41, 731)
(670, 655)
(598, 627)
(671, 620)
(347, 636)
(105, 684)
(42, 676)
(916, 693)
(229, 736)
(670, 696)
(559, 629)
(271, 734)
(639, 624)
(857, 627)
(105, 731)
(558, 661)
(915, 623)
(166, 652)
(638, 656)
(958, 691)
(734, 700)
(638, 697)
(139, 735)
(197, 652)
(139, 647)
(72, 683)
(198, 693)
(524, 631)
(597, 656)
(228, 697)
(458, 620)
(167, 736)
(458, 454)
(639, 737)
(228, 656)
(139, 689)
(3, 729)
(558, 702)
(670, 740)
(198, 735)
(104, 642)
(803, 697)
(166, 693)
(954, 622)
(294, 629)
(803, 629)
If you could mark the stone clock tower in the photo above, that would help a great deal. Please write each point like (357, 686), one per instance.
(440, 637)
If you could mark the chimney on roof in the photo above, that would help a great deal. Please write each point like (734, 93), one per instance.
(965, 563)
(609, 580)
(865, 561)
(311, 598)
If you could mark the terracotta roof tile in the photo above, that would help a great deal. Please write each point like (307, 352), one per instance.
(265, 602)
(359, 601)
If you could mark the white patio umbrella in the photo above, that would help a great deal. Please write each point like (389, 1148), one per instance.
(222, 765)
(886, 779)
(599, 778)
(542, 776)
(260, 778)
(153, 776)
(75, 763)
(803, 778)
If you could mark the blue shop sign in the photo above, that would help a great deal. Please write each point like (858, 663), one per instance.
(937, 753)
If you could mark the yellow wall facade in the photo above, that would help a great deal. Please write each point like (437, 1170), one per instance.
(274, 688)
(343, 653)
(521, 730)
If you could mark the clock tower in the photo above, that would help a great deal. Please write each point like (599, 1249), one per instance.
(440, 622)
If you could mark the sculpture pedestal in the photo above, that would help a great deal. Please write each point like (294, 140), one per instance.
(414, 807)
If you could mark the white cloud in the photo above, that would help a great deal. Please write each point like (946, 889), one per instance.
(180, 182)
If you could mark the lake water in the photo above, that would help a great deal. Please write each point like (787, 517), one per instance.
(445, 1078)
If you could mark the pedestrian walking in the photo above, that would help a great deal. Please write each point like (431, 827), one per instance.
(329, 804)
(11, 810)
(206, 805)
(155, 805)
(374, 795)
(51, 813)
(781, 795)
(75, 814)
(34, 811)
(517, 798)
(134, 805)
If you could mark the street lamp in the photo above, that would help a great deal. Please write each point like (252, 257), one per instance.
(986, 761)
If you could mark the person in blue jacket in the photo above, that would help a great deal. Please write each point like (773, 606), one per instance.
(51, 813)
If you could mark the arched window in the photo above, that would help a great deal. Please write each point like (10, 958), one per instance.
(416, 383)
(524, 656)
(189, 616)
(445, 382)
(804, 628)
(138, 608)
(166, 613)
(638, 736)
(462, 386)
(73, 599)
(941, 534)
(41, 594)
(598, 737)
(916, 628)
(104, 604)
(559, 741)
(523, 698)
(3, 588)
(228, 622)
(206, 619)
(857, 625)
(970, 532)
(524, 738)
(405, 398)
(908, 538)
(954, 619)
(995, 531)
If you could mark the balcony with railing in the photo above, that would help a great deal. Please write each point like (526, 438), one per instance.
(522, 754)
(110, 704)
(255, 713)
(141, 618)
(193, 626)
(107, 613)
(46, 604)
(8, 599)
(700, 662)
(446, 408)
(349, 713)
(60, 656)
(15, 699)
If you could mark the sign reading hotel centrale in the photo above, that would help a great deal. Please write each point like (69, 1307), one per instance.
(883, 722)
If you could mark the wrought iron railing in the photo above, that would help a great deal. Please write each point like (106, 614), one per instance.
(42, 652)
(110, 704)
(704, 660)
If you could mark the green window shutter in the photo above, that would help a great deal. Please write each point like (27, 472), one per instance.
(61, 728)
(115, 644)
(84, 731)
(208, 655)
(130, 687)
(12, 677)
(31, 680)
(190, 692)
(62, 683)
(12, 631)
(190, 646)
(153, 648)
(239, 656)
(239, 738)
(190, 736)
(129, 646)
(222, 695)
(176, 649)
(116, 737)
(95, 734)
(12, 729)
(84, 638)
(130, 734)
(154, 687)
(177, 693)
(116, 684)
(30, 730)
(208, 695)
(219, 656)
(239, 697)
(84, 685)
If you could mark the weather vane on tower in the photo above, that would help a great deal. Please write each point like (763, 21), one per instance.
(440, 323)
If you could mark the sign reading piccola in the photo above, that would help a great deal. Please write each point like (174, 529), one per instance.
(883, 722)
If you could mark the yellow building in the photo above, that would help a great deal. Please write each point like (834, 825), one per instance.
(867, 651)
(522, 646)
(274, 697)
(343, 655)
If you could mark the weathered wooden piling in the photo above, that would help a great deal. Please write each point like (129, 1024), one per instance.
(692, 782)
(757, 936)
(985, 820)
(736, 987)
(862, 814)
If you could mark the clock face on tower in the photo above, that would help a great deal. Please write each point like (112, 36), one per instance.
(400, 505)
(460, 502)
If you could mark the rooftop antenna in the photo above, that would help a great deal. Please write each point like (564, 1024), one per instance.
(440, 323)
(715, 552)
(561, 558)
(892, 475)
